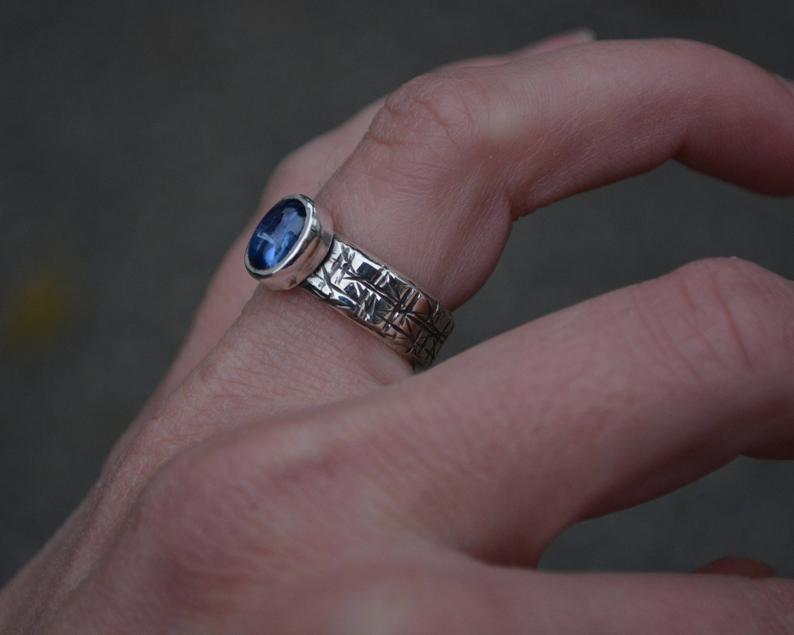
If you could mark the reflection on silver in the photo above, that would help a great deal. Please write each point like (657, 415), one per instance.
(382, 300)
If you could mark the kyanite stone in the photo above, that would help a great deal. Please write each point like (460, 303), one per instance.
(276, 234)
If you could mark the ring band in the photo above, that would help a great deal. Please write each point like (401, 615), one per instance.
(294, 245)
(384, 301)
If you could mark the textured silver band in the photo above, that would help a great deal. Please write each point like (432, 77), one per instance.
(382, 300)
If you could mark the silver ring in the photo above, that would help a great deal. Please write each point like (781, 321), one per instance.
(294, 245)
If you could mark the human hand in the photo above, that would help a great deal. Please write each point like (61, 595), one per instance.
(292, 476)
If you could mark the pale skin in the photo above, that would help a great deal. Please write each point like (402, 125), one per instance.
(291, 474)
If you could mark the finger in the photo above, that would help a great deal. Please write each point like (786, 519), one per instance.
(595, 408)
(744, 567)
(653, 604)
(453, 158)
(494, 453)
(305, 170)
(402, 590)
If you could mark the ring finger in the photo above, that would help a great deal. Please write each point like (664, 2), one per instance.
(453, 157)
(306, 170)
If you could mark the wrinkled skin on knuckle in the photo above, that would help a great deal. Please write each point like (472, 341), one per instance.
(248, 514)
(429, 117)
(224, 379)
(213, 398)
(181, 535)
(421, 166)
(720, 317)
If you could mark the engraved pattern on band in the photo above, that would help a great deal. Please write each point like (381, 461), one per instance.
(382, 300)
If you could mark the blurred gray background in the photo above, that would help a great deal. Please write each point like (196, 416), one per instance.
(136, 137)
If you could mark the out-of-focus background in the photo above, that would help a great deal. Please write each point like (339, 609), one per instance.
(136, 137)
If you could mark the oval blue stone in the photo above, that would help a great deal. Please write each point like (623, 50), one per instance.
(276, 234)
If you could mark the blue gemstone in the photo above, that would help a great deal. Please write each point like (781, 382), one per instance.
(276, 234)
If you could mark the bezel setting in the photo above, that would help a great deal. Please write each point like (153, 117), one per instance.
(306, 254)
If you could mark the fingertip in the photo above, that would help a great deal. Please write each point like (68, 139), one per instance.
(560, 40)
(743, 567)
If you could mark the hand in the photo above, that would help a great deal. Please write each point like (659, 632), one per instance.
(292, 476)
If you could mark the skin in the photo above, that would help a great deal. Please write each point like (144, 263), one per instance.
(291, 475)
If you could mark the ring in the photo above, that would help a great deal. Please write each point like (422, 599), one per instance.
(294, 245)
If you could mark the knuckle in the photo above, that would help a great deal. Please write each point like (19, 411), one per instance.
(727, 311)
(227, 513)
(229, 378)
(221, 376)
(435, 110)
(185, 528)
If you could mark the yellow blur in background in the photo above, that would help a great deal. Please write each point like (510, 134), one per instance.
(37, 312)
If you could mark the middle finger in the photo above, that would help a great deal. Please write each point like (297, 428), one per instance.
(595, 408)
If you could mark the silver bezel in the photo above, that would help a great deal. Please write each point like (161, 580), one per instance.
(306, 254)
